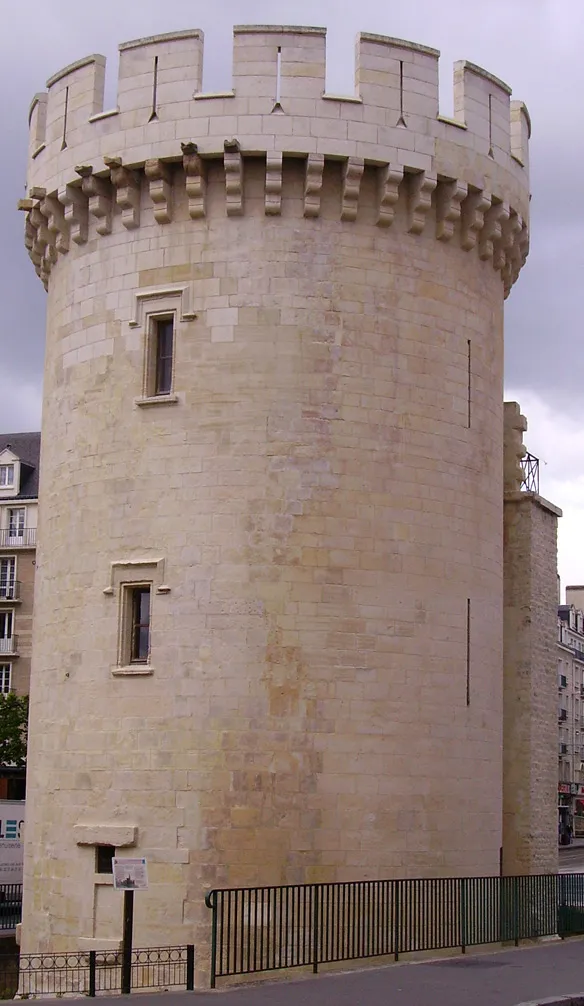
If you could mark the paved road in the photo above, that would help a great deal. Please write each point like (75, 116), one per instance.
(481, 979)
(572, 857)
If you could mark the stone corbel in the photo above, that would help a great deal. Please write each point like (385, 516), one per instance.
(195, 181)
(160, 187)
(41, 233)
(74, 204)
(492, 232)
(53, 211)
(421, 187)
(352, 175)
(389, 183)
(127, 186)
(449, 197)
(472, 221)
(233, 164)
(313, 184)
(273, 194)
(99, 195)
(507, 248)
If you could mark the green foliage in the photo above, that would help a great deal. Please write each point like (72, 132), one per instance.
(13, 729)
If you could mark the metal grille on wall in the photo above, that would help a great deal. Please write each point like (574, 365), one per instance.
(530, 465)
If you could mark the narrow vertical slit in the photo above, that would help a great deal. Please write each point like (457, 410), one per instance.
(278, 103)
(468, 651)
(468, 403)
(154, 112)
(279, 75)
(491, 125)
(401, 121)
(64, 143)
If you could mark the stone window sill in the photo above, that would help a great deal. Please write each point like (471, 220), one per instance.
(156, 400)
(133, 671)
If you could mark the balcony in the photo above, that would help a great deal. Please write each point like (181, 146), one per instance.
(579, 654)
(20, 537)
(9, 590)
(9, 646)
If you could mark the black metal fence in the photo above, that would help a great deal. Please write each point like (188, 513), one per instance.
(10, 906)
(93, 972)
(269, 928)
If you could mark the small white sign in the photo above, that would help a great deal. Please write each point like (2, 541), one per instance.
(130, 874)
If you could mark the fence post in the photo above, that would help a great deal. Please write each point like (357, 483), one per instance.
(190, 967)
(463, 911)
(212, 903)
(315, 902)
(92, 973)
(516, 909)
(397, 920)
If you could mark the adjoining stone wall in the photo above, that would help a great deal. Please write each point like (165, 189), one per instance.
(530, 761)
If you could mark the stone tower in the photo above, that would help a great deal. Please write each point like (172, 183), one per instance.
(269, 631)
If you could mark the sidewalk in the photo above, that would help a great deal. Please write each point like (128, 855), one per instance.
(505, 978)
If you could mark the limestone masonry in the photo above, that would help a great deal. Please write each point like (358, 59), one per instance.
(311, 498)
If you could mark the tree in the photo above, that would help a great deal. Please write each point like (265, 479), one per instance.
(13, 729)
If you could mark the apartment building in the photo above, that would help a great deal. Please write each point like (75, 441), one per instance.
(19, 472)
(571, 711)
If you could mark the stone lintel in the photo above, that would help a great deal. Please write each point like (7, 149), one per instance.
(118, 835)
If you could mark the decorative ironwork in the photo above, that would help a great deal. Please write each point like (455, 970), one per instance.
(267, 928)
(93, 972)
(530, 466)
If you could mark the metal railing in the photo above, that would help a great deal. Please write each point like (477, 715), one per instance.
(22, 537)
(9, 590)
(269, 928)
(9, 644)
(93, 972)
(530, 466)
(10, 906)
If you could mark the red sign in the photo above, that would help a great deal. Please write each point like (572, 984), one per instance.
(564, 787)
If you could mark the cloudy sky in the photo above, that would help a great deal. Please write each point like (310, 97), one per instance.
(535, 45)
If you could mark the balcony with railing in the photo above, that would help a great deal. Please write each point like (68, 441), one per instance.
(9, 590)
(18, 537)
(9, 646)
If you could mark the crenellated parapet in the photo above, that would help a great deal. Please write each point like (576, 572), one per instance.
(93, 171)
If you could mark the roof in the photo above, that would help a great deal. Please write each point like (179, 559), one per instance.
(27, 447)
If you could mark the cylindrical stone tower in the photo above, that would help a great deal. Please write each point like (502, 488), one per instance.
(268, 620)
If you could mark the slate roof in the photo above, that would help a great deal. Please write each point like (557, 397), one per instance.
(27, 447)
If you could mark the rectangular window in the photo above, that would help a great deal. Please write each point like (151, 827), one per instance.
(6, 622)
(6, 476)
(103, 858)
(5, 678)
(16, 522)
(7, 578)
(139, 605)
(162, 351)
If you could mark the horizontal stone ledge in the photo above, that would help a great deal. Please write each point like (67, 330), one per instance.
(119, 835)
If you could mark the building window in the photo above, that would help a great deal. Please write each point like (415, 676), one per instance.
(6, 631)
(161, 354)
(6, 476)
(137, 620)
(7, 579)
(5, 678)
(104, 855)
(16, 522)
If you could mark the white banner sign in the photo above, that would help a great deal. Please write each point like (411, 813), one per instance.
(11, 841)
(130, 874)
